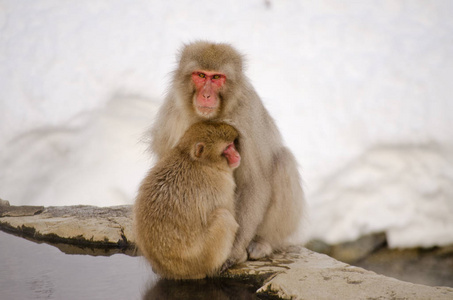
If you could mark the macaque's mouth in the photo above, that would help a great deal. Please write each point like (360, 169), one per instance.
(206, 109)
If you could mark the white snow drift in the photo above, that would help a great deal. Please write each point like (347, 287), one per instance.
(360, 90)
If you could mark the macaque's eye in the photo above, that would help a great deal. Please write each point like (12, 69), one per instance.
(201, 75)
(216, 76)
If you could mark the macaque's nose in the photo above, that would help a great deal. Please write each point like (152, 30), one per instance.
(207, 90)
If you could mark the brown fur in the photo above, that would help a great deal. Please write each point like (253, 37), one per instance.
(184, 212)
(270, 198)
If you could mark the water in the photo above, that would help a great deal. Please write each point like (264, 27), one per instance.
(29, 270)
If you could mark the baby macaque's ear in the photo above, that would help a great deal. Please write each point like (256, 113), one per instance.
(199, 149)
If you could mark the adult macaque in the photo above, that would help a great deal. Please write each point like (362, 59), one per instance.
(209, 84)
(184, 212)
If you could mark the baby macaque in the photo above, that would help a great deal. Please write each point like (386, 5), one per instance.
(185, 209)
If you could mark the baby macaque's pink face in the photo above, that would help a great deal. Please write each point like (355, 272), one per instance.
(232, 155)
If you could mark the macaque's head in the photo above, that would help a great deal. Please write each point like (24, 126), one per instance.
(212, 143)
(207, 77)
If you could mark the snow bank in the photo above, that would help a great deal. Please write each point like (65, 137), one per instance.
(360, 90)
(403, 190)
(98, 157)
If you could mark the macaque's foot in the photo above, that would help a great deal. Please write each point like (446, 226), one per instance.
(226, 265)
(259, 249)
(236, 257)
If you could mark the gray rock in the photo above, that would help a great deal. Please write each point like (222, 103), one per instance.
(80, 225)
(4, 202)
(350, 252)
(302, 274)
(433, 266)
(18, 211)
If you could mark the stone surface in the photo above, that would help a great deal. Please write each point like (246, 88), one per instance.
(4, 203)
(20, 211)
(297, 273)
(81, 225)
(432, 266)
(428, 266)
(350, 252)
(304, 274)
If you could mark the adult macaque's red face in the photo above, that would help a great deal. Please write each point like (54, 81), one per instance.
(207, 86)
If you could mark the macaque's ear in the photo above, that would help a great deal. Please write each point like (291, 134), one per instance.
(199, 149)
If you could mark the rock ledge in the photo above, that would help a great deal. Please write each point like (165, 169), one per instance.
(89, 226)
(297, 273)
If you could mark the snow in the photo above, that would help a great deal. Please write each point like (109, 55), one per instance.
(360, 90)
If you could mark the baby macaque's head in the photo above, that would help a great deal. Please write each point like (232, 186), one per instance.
(212, 142)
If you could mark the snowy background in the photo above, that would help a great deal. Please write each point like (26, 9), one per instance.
(361, 90)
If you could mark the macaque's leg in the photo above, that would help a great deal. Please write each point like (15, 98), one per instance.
(218, 239)
(285, 210)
